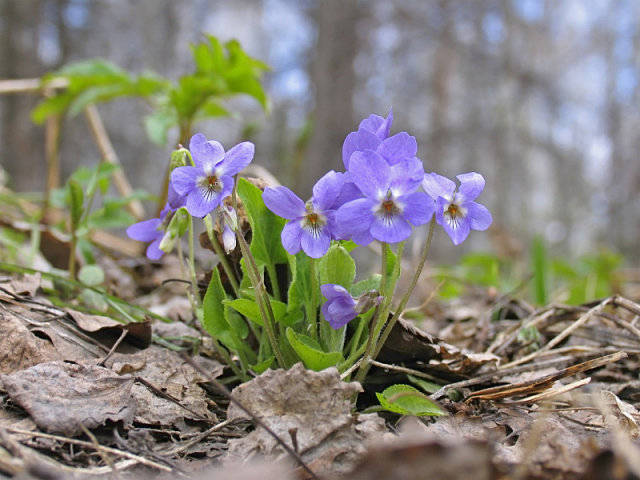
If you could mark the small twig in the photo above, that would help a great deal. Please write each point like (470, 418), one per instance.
(544, 382)
(496, 375)
(224, 391)
(30, 85)
(104, 455)
(84, 443)
(564, 334)
(549, 393)
(410, 371)
(197, 439)
(171, 398)
(109, 154)
(115, 346)
(351, 369)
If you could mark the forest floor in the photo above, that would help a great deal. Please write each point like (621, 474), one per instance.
(529, 393)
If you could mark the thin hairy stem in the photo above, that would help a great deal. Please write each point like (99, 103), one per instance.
(231, 276)
(412, 286)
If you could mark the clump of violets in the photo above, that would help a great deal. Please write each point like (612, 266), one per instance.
(210, 180)
(311, 225)
(153, 231)
(381, 196)
(456, 210)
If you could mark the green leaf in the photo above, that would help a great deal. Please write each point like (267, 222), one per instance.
(158, 124)
(249, 308)
(214, 319)
(111, 215)
(263, 365)
(91, 275)
(266, 245)
(337, 267)
(76, 202)
(300, 288)
(94, 81)
(369, 283)
(310, 351)
(391, 262)
(406, 400)
(429, 387)
(540, 267)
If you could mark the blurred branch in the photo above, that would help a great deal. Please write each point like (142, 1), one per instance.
(109, 155)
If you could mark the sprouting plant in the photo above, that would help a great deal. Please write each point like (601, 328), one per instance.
(85, 196)
(268, 311)
(221, 71)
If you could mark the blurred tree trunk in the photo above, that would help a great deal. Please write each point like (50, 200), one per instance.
(23, 152)
(334, 80)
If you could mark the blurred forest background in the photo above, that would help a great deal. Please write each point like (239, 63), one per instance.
(540, 96)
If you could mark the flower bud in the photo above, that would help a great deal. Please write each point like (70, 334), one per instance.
(179, 158)
(367, 301)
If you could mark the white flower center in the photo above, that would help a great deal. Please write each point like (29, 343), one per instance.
(388, 208)
(209, 186)
(454, 213)
(313, 223)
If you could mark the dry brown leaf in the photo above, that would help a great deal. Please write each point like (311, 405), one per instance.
(620, 414)
(169, 373)
(62, 397)
(26, 285)
(313, 407)
(408, 343)
(467, 460)
(20, 347)
(107, 330)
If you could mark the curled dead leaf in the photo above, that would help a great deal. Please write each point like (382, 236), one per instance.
(310, 411)
(63, 397)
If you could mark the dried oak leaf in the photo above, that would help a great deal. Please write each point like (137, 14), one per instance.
(62, 397)
(408, 343)
(466, 460)
(170, 374)
(107, 330)
(20, 347)
(314, 405)
(620, 414)
(26, 285)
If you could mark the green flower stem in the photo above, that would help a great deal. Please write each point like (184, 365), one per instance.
(349, 362)
(355, 342)
(312, 309)
(412, 286)
(231, 276)
(192, 264)
(262, 298)
(382, 313)
(271, 271)
(181, 259)
(365, 347)
(383, 270)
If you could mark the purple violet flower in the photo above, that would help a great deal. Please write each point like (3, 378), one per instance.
(311, 226)
(373, 134)
(211, 180)
(456, 211)
(391, 203)
(174, 199)
(151, 231)
(340, 307)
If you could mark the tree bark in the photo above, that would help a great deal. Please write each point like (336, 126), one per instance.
(334, 80)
